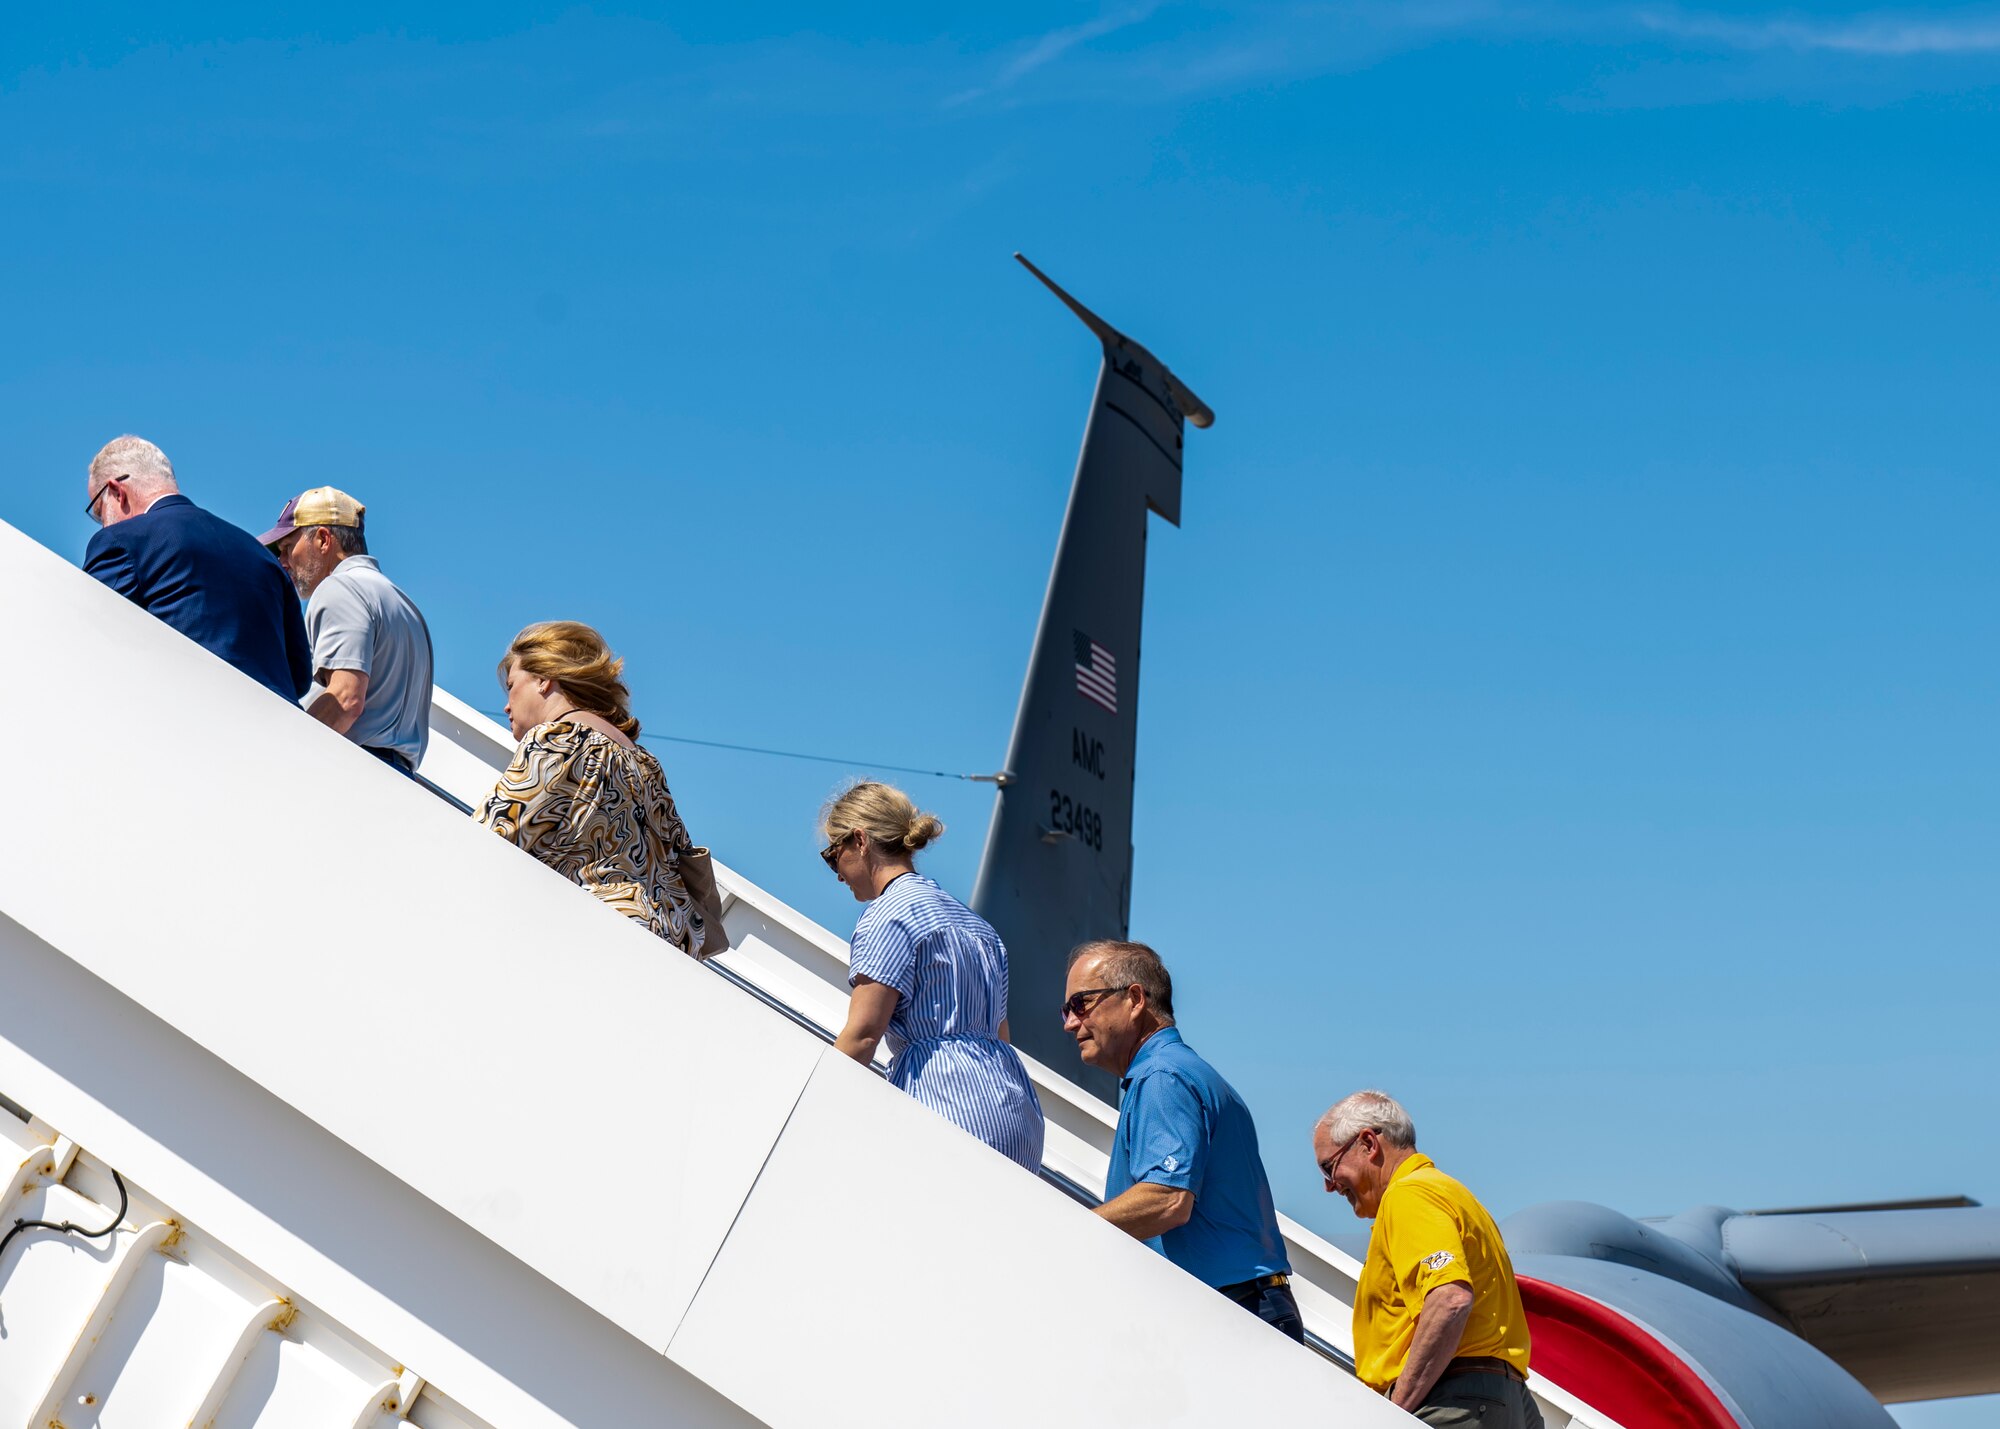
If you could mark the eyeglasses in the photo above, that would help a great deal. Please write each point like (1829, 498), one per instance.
(830, 855)
(90, 506)
(1327, 1168)
(1079, 1003)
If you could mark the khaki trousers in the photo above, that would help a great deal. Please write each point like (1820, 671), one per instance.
(1480, 1401)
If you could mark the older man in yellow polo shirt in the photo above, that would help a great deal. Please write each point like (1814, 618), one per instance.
(1438, 1324)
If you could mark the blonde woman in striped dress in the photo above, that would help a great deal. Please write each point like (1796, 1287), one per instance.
(929, 974)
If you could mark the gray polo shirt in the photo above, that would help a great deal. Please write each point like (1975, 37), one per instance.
(357, 620)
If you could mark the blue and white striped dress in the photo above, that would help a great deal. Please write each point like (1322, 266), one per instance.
(944, 1040)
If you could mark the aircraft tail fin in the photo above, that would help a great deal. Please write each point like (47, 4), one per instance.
(1057, 869)
(1132, 363)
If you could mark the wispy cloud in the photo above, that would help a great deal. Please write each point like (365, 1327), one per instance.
(1888, 34)
(1046, 49)
(1057, 43)
(1186, 51)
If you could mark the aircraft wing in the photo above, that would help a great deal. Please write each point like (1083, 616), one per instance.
(1906, 1300)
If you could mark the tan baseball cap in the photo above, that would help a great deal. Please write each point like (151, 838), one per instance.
(322, 506)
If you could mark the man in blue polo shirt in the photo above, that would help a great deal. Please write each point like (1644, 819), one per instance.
(1185, 1176)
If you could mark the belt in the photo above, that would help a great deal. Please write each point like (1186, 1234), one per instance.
(392, 756)
(1481, 1364)
(1262, 1282)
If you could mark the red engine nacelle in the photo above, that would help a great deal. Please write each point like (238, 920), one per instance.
(1615, 1364)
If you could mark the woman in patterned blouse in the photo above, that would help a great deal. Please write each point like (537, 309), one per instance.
(581, 795)
(930, 974)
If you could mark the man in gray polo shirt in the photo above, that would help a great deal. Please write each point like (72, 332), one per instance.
(371, 651)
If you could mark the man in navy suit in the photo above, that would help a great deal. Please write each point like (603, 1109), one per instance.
(203, 576)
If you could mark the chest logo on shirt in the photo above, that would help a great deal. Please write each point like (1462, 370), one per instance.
(1172, 1163)
(1439, 1259)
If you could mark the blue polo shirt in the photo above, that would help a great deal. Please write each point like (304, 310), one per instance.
(1181, 1125)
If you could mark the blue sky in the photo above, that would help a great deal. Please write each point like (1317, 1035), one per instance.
(1569, 701)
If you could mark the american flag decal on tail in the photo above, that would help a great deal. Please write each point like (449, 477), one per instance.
(1096, 673)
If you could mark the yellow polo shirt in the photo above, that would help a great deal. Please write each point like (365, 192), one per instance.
(1430, 1232)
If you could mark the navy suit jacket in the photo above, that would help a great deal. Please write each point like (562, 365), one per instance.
(212, 582)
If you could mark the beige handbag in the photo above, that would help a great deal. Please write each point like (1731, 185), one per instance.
(697, 873)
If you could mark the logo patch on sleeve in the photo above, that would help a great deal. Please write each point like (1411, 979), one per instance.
(1172, 1163)
(1439, 1259)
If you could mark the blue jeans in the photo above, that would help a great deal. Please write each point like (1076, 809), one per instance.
(1273, 1304)
(395, 759)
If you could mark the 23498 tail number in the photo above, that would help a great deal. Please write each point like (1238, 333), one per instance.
(1085, 824)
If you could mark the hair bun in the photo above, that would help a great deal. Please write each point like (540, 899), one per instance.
(883, 812)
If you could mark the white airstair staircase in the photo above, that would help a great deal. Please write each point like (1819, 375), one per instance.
(381, 1122)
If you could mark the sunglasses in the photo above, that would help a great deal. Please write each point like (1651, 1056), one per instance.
(830, 855)
(1327, 1168)
(90, 506)
(1078, 1003)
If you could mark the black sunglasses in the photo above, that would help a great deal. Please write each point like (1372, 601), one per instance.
(830, 855)
(1078, 1003)
(90, 506)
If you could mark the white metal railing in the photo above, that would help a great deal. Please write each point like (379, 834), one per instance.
(798, 969)
(421, 1080)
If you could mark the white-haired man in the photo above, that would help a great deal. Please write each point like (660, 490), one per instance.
(201, 575)
(371, 651)
(1438, 1322)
